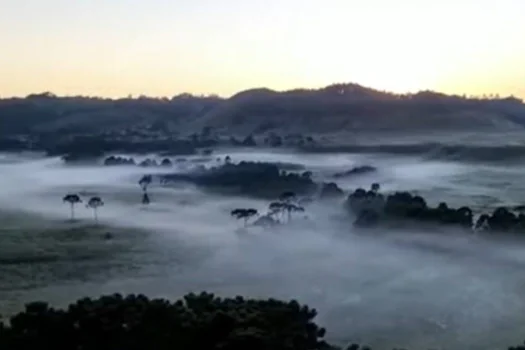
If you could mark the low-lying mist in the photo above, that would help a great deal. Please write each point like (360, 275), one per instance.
(412, 289)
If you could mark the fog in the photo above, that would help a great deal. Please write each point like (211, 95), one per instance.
(410, 289)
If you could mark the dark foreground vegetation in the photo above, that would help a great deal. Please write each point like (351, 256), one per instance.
(135, 322)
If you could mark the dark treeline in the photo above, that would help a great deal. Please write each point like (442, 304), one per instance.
(373, 208)
(257, 179)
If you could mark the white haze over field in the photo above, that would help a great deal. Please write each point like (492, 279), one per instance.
(416, 290)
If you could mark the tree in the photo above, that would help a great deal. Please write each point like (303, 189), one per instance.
(72, 199)
(244, 214)
(276, 209)
(144, 182)
(285, 205)
(375, 187)
(287, 200)
(145, 198)
(292, 208)
(94, 203)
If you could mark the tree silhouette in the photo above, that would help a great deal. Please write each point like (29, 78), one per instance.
(145, 198)
(287, 204)
(375, 187)
(292, 208)
(94, 203)
(72, 199)
(244, 214)
(276, 209)
(144, 182)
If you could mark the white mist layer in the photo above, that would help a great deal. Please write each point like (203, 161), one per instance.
(384, 288)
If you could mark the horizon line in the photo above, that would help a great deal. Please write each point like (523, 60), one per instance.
(225, 97)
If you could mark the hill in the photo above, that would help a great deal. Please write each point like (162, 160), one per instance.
(352, 107)
(332, 109)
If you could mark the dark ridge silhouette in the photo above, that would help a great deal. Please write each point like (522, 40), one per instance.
(354, 107)
(52, 123)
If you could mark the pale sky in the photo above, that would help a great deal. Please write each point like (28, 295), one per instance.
(165, 47)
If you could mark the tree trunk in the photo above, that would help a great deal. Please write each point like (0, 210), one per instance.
(72, 211)
(95, 214)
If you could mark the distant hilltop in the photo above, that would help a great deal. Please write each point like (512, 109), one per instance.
(332, 109)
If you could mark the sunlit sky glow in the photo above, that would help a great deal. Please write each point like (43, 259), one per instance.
(165, 47)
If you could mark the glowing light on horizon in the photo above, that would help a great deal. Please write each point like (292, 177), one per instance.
(161, 48)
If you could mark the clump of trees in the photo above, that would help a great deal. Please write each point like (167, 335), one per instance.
(372, 207)
(116, 160)
(259, 179)
(197, 321)
(148, 162)
(93, 203)
(90, 147)
(287, 204)
(279, 211)
(502, 219)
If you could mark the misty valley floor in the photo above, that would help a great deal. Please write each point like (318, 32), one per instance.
(381, 288)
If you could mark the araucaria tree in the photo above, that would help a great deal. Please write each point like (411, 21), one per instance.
(94, 203)
(276, 209)
(72, 199)
(144, 182)
(244, 214)
(287, 204)
(145, 198)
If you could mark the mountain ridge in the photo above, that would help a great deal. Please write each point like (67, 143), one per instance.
(330, 109)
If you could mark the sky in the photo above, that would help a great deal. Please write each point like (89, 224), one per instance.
(115, 48)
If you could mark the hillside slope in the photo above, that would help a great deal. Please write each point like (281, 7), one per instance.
(333, 109)
(354, 108)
